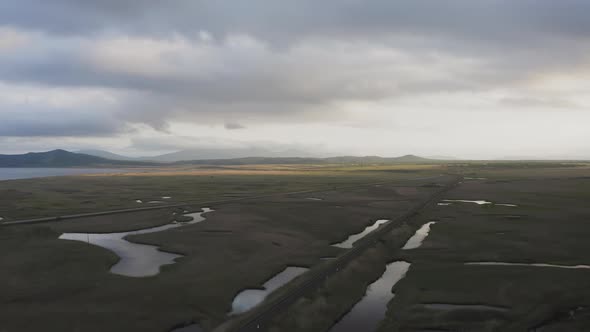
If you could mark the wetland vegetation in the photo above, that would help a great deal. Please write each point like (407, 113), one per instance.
(488, 267)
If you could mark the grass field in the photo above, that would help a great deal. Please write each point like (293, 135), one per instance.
(550, 224)
(54, 196)
(60, 285)
(66, 285)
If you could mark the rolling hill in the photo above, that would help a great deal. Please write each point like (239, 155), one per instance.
(62, 158)
(203, 154)
(105, 154)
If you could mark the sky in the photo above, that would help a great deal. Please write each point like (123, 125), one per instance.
(470, 79)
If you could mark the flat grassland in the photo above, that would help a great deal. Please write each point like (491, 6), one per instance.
(55, 196)
(550, 224)
(59, 285)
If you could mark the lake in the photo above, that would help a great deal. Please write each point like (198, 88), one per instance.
(27, 173)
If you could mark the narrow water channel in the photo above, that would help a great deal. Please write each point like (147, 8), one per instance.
(368, 313)
(136, 260)
(451, 307)
(348, 243)
(530, 264)
(478, 202)
(416, 240)
(249, 298)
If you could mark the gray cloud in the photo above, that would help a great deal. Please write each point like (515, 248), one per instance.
(546, 103)
(491, 19)
(263, 62)
(507, 35)
(233, 125)
(33, 122)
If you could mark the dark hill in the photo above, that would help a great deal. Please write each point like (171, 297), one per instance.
(61, 158)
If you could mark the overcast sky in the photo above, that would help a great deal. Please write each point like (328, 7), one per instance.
(471, 79)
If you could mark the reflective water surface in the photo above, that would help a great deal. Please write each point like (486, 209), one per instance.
(348, 243)
(371, 309)
(136, 260)
(8, 173)
(416, 240)
(249, 298)
(531, 264)
(449, 306)
(479, 202)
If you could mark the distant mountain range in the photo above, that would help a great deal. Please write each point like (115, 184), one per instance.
(246, 156)
(105, 155)
(203, 154)
(62, 158)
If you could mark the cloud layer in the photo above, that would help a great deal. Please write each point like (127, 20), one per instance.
(106, 68)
